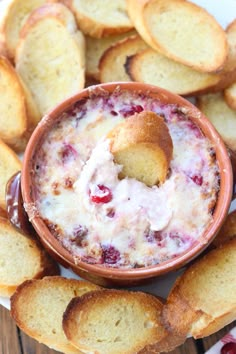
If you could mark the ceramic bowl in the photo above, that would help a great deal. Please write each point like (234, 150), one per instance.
(100, 274)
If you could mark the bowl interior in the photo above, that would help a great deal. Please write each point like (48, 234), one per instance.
(220, 211)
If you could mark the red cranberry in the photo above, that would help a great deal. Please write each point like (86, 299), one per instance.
(154, 236)
(197, 179)
(228, 348)
(68, 153)
(129, 111)
(195, 129)
(101, 194)
(110, 255)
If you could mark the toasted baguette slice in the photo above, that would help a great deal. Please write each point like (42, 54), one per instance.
(111, 65)
(37, 306)
(9, 165)
(15, 16)
(96, 47)
(17, 108)
(51, 72)
(203, 299)
(228, 230)
(21, 258)
(151, 67)
(228, 73)
(230, 96)
(143, 146)
(100, 19)
(115, 321)
(221, 115)
(182, 31)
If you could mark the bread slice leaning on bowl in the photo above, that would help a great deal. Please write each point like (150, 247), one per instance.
(51, 56)
(21, 258)
(182, 31)
(37, 307)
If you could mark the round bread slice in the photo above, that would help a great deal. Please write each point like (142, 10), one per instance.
(96, 47)
(143, 146)
(205, 294)
(112, 62)
(116, 321)
(51, 72)
(182, 31)
(37, 306)
(15, 15)
(21, 258)
(100, 18)
(221, 115)
(153, 68)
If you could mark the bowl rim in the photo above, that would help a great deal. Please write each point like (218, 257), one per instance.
(223, 200)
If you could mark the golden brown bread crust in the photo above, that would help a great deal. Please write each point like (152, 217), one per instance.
(23, 252)
(37, 307)
(95, 28)
(205, 294)
(163, 24)
(148, 131)
(99, 305)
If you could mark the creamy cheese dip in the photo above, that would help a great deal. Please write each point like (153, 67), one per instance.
(123, 223)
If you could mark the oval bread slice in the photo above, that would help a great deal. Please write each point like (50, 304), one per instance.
(116, 321)
(96, 47)
(15, 16)
(21, 258)
(37, 306)
(182, 31)
(17, 108)
(143, 146)
(112, 62)
(205, 294)
(50, 56)
(100, 19)
(153, 68)
(221, 115)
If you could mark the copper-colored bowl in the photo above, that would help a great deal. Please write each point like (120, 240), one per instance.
(115, 276)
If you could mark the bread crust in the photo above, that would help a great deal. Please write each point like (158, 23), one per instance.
(29, 253)
(80, 311)
(65, 69)
(92, 26)
(221, 115)
(14, 126)
(141, 12)
(205, 293)
(37, 307)
(112, 62)
(145, 130)
(230, 96)
(15, 15)
(153, 68)
(228, 230)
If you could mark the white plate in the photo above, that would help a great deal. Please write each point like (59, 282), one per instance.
(224, 12)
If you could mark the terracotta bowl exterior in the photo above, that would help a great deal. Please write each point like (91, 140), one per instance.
(114, 276)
